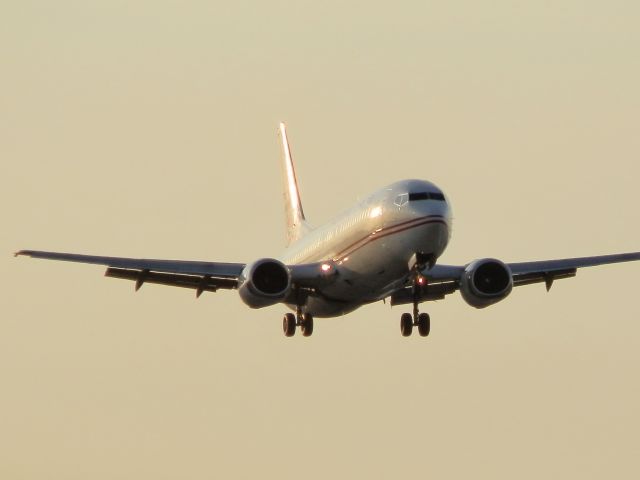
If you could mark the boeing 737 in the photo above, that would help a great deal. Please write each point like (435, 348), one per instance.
(385, 247)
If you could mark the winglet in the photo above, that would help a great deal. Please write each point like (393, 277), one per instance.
(296, 224)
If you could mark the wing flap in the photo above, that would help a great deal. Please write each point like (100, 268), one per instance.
(538, 277)
(201, 284)
(427, 293)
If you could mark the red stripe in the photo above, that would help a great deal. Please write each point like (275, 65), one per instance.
(398, 228)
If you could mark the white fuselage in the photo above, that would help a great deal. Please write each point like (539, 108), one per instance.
(371, 244)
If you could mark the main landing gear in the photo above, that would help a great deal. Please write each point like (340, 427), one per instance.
(291, 321)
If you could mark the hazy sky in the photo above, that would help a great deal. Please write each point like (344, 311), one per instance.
(149, 129)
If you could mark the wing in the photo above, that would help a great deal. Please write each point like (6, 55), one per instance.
(525, 273)
(201, 276)
(445, 279)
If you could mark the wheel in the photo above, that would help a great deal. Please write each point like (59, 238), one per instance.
(307, 325)
(289, 324)
(406, 324)
(424, 324)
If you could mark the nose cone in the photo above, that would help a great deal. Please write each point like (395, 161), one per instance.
(427, 198)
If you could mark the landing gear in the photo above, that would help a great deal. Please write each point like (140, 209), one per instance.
(424, 324)
(291, 321)
(406, 324)
(289, 324)
(306, 325)
(421, 320)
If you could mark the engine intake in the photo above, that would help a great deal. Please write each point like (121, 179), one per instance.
(486, 282)
(264, 282)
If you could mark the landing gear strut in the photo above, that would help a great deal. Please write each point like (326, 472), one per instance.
(421, 320)
(291, 321)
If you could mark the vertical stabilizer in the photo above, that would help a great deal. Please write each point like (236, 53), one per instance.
(296, 224)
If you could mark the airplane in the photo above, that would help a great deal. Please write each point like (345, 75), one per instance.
(385, 247)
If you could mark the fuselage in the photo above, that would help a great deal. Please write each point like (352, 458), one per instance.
(371, 244)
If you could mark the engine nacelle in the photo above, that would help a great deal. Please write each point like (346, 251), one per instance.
(486, 282)
(264, 282)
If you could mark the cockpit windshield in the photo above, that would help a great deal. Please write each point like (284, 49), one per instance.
(426, 196)
(403, 198)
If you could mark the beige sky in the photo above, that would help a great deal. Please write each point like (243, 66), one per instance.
(149, 129)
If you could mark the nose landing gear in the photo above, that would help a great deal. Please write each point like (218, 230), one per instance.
(408, 321)
(421, 320)
(424, 324)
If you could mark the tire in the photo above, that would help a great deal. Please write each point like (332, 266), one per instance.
(424, 324)
(307, 325)
(406, 324)
(289, 324)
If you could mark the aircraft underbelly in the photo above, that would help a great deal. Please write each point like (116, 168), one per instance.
(373, 271)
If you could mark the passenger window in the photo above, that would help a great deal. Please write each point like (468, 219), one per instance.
(402, 199)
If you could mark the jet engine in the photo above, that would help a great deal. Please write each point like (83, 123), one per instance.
(486, 282)
(264, 282)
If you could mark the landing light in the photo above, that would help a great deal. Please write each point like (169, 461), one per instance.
(325, 267)
(375, 212)
(422, 280)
